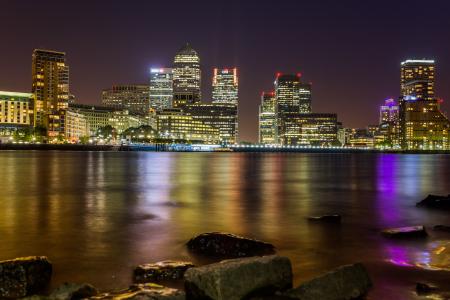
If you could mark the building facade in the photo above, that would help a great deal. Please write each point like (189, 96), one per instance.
(417, 79)
(311, 129)
(287, 94)
(176, 125)
(161, 88)
(423, 125)
(16, 108)
(221, 116)
(268, 119)
(76, 127)
(186, 77)
(225, 86)
(134, 98)
(50, 83)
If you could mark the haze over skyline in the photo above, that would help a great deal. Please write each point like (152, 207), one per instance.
(351, 50)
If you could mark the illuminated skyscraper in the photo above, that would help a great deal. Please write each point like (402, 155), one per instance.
(422, 125)
(287, 96)
(186, 77)
(305, 97)
(225, 86)
(268, 119)
(161, 88)
(389, 111)
(417, 79)
(50, 83)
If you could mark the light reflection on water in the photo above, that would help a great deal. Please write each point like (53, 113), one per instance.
(97, 214)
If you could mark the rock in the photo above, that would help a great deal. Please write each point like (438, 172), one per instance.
(346, 282)
(235, 279)
(405, 232)
(326, 219)
(424, 288)
(73, 291)
(443, 228)
(145, 291)
(165, 270)
(228, 245)
(434, 201)
(24, 276)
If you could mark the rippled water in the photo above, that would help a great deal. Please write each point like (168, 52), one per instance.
(98, 214)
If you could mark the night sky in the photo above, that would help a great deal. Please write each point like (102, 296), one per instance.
(350, 50)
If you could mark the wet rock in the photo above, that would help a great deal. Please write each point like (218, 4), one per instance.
(165, 270)
(326, 219)
(346, 282)
(424, 288)
(228, 245)
(435, 201)
(443, 228)
(73, 291)
(236, 279)
(24, 276)
(145, 291)
(405, 232)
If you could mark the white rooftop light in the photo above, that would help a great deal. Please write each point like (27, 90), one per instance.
(418, 61)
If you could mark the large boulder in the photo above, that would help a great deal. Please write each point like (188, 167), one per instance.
(145, 291)
(345, 283)
(228, 245)
(160, 271)
(405, 232)
(435, 201)
(73, 291)
(235, 279)
(24, 276)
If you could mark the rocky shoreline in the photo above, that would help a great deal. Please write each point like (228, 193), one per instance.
(246, 269)
(250, 269)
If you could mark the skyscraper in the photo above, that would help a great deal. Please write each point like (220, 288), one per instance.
(389, 111)
(161, 88)
(268, 119)
(287, 95)
(225, 86)
(134, 98)
(305, 97)
(50, 83)
(186, 77)
(417, 79)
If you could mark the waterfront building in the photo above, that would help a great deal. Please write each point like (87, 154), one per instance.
(267, 119)
(101, 116)
(417, 79)
(16, 108)
(161, 88)
(310, 129)
(50, 83)
(16, 112)
(134, 98)
(173, 124)
(389, 112)
(186, 77)
(225, 86)
(221, 116)
(423, 126)
(77, 126)
(360, 138)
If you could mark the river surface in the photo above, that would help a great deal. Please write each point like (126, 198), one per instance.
(96, 215)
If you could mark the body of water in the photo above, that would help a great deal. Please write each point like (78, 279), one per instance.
(96, 215)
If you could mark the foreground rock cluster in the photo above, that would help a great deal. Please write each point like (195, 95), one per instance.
(250, 276)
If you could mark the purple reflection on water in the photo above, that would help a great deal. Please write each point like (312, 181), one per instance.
(398, 255)
(387, 188)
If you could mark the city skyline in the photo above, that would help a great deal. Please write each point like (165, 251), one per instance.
(372, 69)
